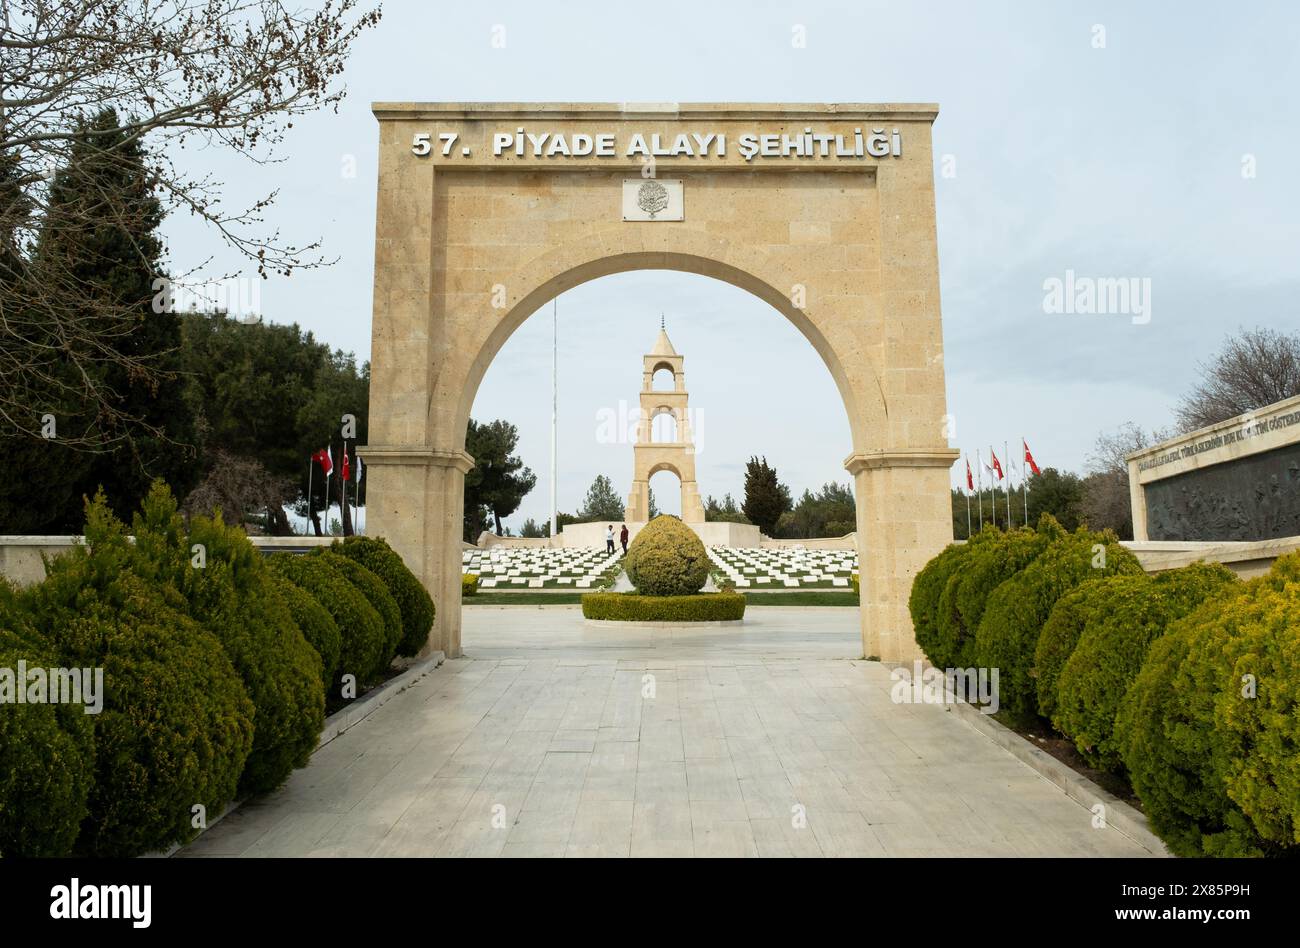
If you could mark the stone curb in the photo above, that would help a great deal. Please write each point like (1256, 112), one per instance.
(336, 724)
(1119, 815)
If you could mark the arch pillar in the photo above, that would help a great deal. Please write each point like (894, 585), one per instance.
(904, 516)
(418, 494)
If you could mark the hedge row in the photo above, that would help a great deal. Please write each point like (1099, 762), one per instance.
(1122, 616)
(631, 607)
(216, 663)
(1189, 680)
(1208, 729)
(414, 604)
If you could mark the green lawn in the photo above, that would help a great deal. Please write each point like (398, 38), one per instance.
(534, 598)
(799, 597)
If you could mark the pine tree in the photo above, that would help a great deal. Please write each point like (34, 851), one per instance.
(601, 502)
(48, 501)
(766, 498)
(102, 225)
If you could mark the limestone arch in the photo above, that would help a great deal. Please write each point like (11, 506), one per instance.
(676, 426)
(470, 241)
(546, 277)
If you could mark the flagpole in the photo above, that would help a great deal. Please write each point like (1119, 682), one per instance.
(555, 399)
(967, 493)
(1006, 453)
(979, 481)
(1024, 470)
(310, 462)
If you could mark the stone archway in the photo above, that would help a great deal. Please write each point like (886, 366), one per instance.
(473, 237)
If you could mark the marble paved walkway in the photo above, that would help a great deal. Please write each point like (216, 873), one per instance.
(553, 739)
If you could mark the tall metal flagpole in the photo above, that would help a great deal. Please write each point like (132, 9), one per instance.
(310, 462)
(1024, 476)
(966, 491)
(555, 400)
(979, 484)
(1006, 453)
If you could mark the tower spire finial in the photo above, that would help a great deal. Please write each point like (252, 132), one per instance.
(661, 319)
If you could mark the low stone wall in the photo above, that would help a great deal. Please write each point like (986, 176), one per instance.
(1247, 558)
(847, 542)
(22, 558)
(587, 535)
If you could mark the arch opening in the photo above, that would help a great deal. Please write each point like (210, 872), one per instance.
(549, 281)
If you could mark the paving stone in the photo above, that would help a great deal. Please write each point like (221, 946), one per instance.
(768, 739)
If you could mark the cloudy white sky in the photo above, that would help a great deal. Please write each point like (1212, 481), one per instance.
(1120, 161)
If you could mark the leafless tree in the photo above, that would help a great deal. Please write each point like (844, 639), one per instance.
(1105, 501)
(240, 488)
(1255, 368)
(183, 76)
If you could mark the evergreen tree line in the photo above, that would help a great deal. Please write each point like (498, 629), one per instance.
(226, 413)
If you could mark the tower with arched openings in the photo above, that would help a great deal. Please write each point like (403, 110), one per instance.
(651, 456)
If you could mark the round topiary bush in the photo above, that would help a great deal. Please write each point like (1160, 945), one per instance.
(927, 589)
(412, 598)
(377, 594)
(1017, 609)
(315, 623)
(667, 558)
(363, 641)
(993, 557)
(1176, 758)
(48, 754)
(1122, 616)
(176, 725)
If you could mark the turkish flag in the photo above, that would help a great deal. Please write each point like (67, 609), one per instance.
(970, 479)
(345, 464)
(322, 458)
(1029, 458)
(997, 465)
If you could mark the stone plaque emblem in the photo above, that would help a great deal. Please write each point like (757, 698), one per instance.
(650, 199)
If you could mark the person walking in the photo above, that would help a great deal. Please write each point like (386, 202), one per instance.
(622, 538)
(609, 539)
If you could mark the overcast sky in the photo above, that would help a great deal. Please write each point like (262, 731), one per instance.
(1167, 154)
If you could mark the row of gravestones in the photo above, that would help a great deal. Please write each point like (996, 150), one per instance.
(537, 569)
(792, 569)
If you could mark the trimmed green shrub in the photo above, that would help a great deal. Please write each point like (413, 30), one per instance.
(229, 591)
(177, 724)
(1257, 711)
(315, 624)
(413, 600)
(1017, 609)
(993, 557)
(363, 641)
(1177, 760)
(855, 580)
(667, 558)
(631, 607)
(468, 585)
(377, 594)
(927, 589)
(1123, 615)
(1056, 642)
(48, 755)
